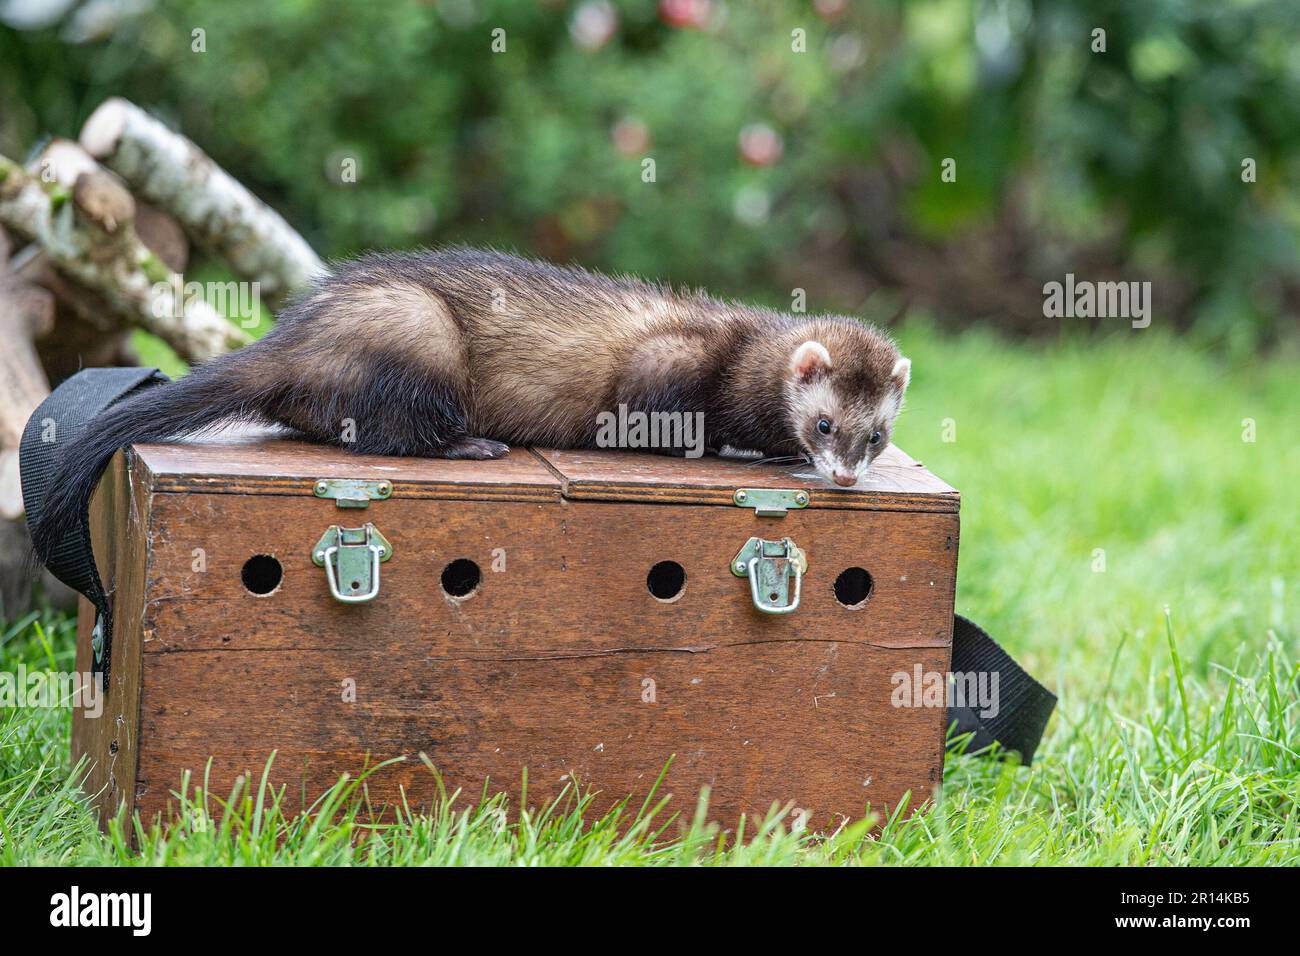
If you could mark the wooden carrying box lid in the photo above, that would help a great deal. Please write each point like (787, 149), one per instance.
(565, 656)
(894, 483)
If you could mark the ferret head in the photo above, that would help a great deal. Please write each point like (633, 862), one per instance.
(844, 388)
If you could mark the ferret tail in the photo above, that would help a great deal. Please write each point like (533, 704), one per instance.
(222, 391)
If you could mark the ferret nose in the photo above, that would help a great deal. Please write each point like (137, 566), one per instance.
(845, 478)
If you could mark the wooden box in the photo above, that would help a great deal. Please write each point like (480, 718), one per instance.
(550, 652)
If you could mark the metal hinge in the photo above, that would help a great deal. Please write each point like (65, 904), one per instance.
(352, 492)
(351, 559)
(770, 502)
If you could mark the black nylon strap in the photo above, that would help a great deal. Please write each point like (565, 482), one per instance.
(1024, 705)
(56, 424)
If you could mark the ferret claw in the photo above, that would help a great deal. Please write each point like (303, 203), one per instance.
(476, 448)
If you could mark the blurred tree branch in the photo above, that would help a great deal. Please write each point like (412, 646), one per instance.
(89, 235)
(221, 214)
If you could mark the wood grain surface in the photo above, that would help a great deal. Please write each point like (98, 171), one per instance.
(802, 721)
(894, 481)
(545, 665)
(110, 742)
(288, 467)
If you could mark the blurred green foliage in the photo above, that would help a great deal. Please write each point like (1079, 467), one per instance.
(773, 168)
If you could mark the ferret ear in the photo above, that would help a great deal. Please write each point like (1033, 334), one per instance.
(902, 373)
(810, 361)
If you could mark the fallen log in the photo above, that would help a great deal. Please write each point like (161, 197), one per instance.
(88, 233)
(62, 161)
(88, 331)
(26, 313)
(218, 211)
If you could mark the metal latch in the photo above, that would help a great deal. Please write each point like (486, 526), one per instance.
(352, 556)
(97, 638)
(769, 565)
(770, 502)
(352, 492)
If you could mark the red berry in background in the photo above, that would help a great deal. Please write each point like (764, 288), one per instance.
(830, 9)
(760, 145)
(686, 14)
(631, 136)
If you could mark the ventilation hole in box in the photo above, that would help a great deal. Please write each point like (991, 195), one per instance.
(261, 574)
(853, 587)
(461, 578)
(666, 580)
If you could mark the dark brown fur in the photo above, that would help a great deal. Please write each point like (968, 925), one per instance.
(531, 353)
(458, 352)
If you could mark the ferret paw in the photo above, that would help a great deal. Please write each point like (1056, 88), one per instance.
(475, 448)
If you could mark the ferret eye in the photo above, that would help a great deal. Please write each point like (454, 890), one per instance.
(824, 426)
(875, 438)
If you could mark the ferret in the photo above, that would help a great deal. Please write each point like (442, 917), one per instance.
(460, 352)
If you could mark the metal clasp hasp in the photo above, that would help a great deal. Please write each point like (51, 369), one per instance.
(352, 556)
(352, 492)
(769, 565)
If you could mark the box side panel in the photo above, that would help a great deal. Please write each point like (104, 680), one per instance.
(107, 734)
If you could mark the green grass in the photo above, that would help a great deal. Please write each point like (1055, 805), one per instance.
(1177, 739)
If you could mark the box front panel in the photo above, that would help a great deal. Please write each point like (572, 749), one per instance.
(805, 722)
(559, 658)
